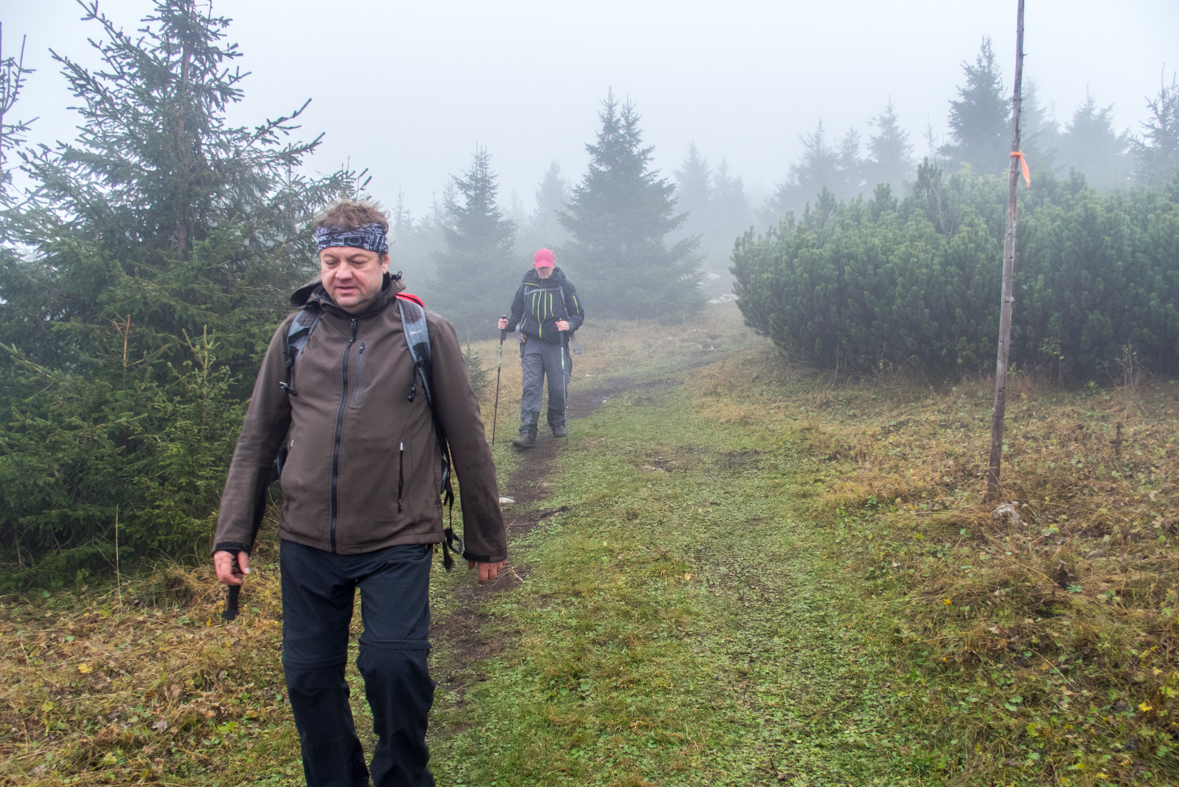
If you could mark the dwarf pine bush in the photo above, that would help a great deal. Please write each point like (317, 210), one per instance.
(857, 286)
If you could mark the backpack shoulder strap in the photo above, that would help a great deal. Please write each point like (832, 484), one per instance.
(417, 339)
(299, 332)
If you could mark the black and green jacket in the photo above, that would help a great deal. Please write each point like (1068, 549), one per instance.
(540, 303)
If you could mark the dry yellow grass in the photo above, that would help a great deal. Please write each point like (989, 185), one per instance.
(141, 683)
(1056, 633)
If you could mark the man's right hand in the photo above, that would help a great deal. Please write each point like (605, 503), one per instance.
(503, 324)
(487, 571)
(225, 565)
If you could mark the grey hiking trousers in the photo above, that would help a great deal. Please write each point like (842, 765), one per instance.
(539, 360)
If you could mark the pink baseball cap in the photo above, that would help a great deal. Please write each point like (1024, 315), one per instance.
(543, 259)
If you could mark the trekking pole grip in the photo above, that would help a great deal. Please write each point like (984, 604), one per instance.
(231, 603)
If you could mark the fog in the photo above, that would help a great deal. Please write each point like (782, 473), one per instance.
(408, 90)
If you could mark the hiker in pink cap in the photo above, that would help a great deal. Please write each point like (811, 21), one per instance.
(547, 311)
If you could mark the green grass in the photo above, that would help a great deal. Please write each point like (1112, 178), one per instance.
(677, 626)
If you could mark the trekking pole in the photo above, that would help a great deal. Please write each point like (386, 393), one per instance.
(261, 495)
(565, 384)
(503, 334)
(231, 602)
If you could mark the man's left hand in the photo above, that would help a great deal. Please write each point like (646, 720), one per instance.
(562, 325)
(487, 571)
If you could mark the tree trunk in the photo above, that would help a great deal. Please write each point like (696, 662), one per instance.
(994, 486)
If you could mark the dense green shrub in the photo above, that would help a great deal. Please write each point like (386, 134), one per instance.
(90, 462)
(862, 285)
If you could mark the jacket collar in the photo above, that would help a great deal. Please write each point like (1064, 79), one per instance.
(313, 291)
(557, 277)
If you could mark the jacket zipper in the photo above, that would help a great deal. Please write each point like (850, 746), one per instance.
(339, 432)
(400, 475)
(359, 372)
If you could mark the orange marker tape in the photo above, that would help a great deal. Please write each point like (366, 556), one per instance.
(1027, 176)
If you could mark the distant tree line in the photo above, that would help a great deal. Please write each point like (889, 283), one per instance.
(717, 208)
(618, 231)
(979, 125)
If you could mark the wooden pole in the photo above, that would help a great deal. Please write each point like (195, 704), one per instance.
(994, 486)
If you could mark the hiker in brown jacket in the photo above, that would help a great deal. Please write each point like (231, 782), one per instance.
(361, 509)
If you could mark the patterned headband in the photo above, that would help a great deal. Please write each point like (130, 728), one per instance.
(369, 236)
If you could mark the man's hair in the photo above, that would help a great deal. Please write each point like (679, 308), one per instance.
(348, 214)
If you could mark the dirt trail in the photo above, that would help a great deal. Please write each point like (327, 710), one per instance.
(527, 484)
(459, 632)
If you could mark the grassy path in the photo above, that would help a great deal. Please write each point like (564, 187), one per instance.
(676, 623)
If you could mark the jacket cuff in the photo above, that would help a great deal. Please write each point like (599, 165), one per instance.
(471, 556)
(231, 546)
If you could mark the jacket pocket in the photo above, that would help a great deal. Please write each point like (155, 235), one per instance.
(359, 373)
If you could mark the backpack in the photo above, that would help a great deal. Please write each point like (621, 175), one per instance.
(417, 339)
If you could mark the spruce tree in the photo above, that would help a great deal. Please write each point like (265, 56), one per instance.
(980, 120)
(693, 196)
(850, 183)
(731, 216)
(1090, 145)
(818, 168)
(732, 213)
(890, 154)
(1157, 152)
(544, 229)
(620, 217)
(160, 210)
(413, 243)
(475, 276)
(694, 190)
(161, 246)
(1039, 132)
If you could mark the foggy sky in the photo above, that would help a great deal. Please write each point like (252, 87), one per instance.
(409, 89)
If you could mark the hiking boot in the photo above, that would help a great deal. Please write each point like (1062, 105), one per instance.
(559, 430)
(527, 438)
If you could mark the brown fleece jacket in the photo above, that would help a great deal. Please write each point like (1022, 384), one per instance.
(364, 469)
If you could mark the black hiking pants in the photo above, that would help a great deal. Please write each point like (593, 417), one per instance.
(317, 594)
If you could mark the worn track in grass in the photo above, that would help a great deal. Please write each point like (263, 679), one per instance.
(460, 632)
(458, 629)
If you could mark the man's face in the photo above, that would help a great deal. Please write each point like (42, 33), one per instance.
(352, 277)
(544, 271)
